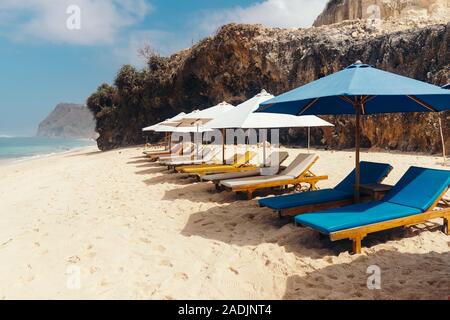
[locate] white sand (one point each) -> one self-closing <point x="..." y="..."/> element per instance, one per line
<point x="137" y="232"/>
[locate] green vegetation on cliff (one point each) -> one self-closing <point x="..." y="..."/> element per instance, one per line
<point x="240" y="60"/>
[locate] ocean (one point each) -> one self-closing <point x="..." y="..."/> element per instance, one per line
<point x="17" y="148"/>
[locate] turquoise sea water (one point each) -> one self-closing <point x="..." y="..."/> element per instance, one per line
<point x="12" y="148"/>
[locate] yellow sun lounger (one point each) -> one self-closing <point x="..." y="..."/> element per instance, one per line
<point x="273" y="158"/>
<point x="296" y="173"/>
<point x="241" y="164"/>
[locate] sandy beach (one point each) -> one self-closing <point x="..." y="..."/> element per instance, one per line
<point x="135" y="231"/>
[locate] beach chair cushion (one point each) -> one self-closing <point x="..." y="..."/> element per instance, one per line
<point x="231" y="175"/>
<point x="305" y="199"/>
<point x="419" y="187"/>
<point x="371" y="172"/>
<point x="414" y="193"/>
<point x="207" y="155"/>
<point x="298" y="165"/>
<point x="254" y="180"/>
<point x="274" y="157"/>
<point x="355" y="215"/>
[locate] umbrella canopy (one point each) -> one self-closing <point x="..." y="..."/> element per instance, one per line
<point x="279" y="120"/>
<point x="360" y="89"/>
<point x="360" y="84"/>
<point x="243" y="116"/>
<point x="236" y="118"/>
<point x="209" y="113"/>
<point x="162" y="125"/>
<point x="195" y="121"/>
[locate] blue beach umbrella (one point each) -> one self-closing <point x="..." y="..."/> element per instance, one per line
<point x="360" y="89"/>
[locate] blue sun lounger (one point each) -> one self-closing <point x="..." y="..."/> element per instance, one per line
<point x="411" y="201"/>
<point x="341" y="195"/>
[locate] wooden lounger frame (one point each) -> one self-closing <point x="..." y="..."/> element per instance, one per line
<point x="359" y="233"/>
<point x="223" y="168"/>
<point x="293" y="211"/>
<point x="318" y="206"/>
<point x="313" y="207"/>
<point x="217" y="181"/>
<point x="305" y="177"/>
<point x="216" y="163"/>
<point x="233" y="168"/>
<point x="173" y="167"/>
<point x="154" y="157"/>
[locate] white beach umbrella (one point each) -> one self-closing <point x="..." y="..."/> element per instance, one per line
<point x="163" y="124"/>
<point x="243" y="116"/>
<point x="209" y="113"/>
<point x="194" y="122"/>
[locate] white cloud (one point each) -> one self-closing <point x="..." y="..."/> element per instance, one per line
<point x="271" y="13"/>
<point x="115" y="23"/>
<point x="101" y="20"/>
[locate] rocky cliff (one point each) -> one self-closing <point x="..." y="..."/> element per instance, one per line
<point x="68" y="120"/>
<point x="239" y="60"/>
<point x="406" y="10"/>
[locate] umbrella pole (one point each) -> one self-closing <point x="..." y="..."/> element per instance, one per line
<point x="357" y="151"/>
<point x="442" y="139"/>
<point x="264" y="147"/>
<point x="309" y="138"/>
<point x="197" y="143"/>
<point x="223" y="146"/>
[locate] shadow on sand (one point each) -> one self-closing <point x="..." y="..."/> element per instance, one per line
<point x="244" y="223"/>
<point x="139" y="161"/>
<point x="402" y="276"/>
<point x="91" y="153"/>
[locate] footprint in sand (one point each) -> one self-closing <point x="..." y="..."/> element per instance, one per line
<point x="181" y="276"/>
<point x="234" y="270"/>
<point x="93" y="269"/>
<point x="166" y="263"/>
<point x="145" y="240"/>
<point x="91" y="254"/>
<point x="74" y="259"/>
<point x="161" y="248"/>
<point x="231" y="225"/>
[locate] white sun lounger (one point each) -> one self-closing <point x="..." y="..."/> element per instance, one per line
<point x="208" y="155"/>
<point x="296" y="173"/>
<point x="273" y="157"/>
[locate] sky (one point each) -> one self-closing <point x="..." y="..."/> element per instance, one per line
<point x="54" y="51"/>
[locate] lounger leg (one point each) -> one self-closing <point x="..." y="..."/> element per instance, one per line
<point x="446" y="226"/>
<point x="313" y="186"/>
<point x="356" y="245"/>
<point x="249" y="194"/>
